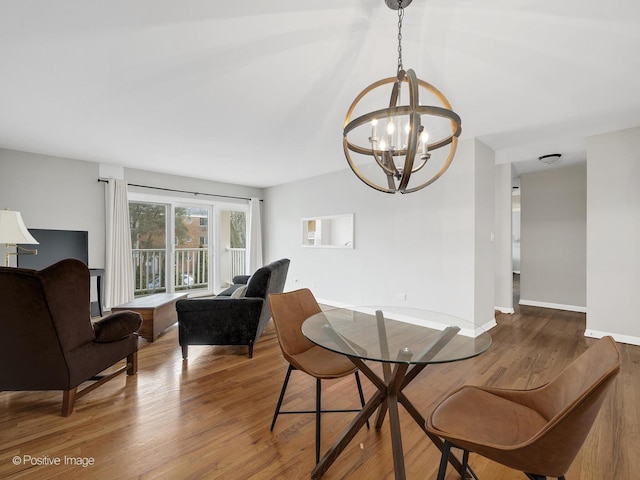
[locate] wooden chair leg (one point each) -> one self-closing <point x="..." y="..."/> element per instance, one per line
<point x="68" y="401"/>
<point x="69" y="397"/>
<point x="132" y="360"/>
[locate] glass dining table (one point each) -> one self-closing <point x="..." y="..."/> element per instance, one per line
<point x="403" y="341"/>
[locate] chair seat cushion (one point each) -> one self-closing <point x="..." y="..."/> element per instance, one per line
<point x="322" y="363"/>
<point x="477" y="416"/>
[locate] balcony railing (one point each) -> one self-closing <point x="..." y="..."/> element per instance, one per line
<point x="237" y="263"/>
<point x="191" y="269"/>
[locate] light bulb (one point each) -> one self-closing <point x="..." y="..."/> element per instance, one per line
<point x="424" y="138"/>
<point x="374" y="130"/>
<point x="390" y="127"/>
<point x="383" y="145"/>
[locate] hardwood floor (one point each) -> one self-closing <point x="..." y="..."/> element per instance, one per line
<point x="209" y="417"/>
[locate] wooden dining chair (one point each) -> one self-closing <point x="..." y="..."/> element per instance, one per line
<point x="289" y="310"/>
<point x="537" y="431"/>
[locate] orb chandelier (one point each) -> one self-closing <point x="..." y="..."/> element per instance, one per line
<point x="403" y="138"/>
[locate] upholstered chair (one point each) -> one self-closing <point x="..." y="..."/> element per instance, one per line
<point x="289" y="311"/>
<point x="537" y="431"/>
<point x="227" y="320"/>
<point x="48" y="341"/>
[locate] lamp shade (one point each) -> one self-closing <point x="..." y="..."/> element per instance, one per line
<point x="13" y="230"/>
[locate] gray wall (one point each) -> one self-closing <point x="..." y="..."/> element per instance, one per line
<point x="613" y="235"/>
<point x="554" y="238"/>
<point x="422" y="244"/>
<point x="55" y="193"/>
<point x="502" y="254"/>
<point x="59" y="193"/>
<point x="190" y="184"/>
<point x="484" y="230"/>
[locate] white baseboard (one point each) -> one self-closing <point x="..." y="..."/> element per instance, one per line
<point x="504" y="309"/>
<point x="616" y="336"/>
<point x="489" y="325"/>
<point x="557" y="306"/>
<point x="482" y="328"/>
<point x="331" y="303"/>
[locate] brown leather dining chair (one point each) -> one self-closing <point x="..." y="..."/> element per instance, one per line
<point x="289" y="310"/>
<point x="537" y="431"/>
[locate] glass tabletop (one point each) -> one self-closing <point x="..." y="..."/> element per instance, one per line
<point x="396" y="334"/>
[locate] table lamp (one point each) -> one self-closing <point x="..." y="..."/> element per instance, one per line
<point x="12" y="232"/>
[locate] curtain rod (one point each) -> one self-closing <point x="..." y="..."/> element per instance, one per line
<point x="105" y="180"/>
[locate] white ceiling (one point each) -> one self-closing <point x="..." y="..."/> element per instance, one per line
<point x="255" y="92"/>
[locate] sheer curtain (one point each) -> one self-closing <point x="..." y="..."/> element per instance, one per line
<point x="255" y="235"/>
<point x="119" y="274"/>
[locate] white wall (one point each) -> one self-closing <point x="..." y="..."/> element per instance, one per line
<point x="502" y="256"/>
<point x="613" y="235"/>
<point x="421" y="244"/>
<point x="554" y="238"/>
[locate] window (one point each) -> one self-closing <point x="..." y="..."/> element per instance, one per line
<point x="232" y="246"/>
<point x="164" y="231"/>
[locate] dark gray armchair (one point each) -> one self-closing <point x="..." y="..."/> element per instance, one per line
<point x="225" y="320"/>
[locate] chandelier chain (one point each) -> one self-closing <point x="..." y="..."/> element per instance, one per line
<point x="400" y="17"/>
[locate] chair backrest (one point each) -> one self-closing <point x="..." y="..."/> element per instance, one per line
<point x="598" y="364"/>
<point x="43" y="315"/>
<point x="571" y="403"/>
<point x="268" y="279"/>
<point x="289" y="311"/>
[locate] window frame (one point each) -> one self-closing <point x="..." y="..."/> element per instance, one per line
<point x="213" y="227"/>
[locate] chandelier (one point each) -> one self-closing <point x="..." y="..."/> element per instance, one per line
<point x="402" y="138"/>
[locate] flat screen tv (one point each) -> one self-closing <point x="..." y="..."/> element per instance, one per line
<point x="55" y="245"/>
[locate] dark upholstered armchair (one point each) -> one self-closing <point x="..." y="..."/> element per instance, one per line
<point x="226" y="320"/>
<point x="48" y="341"/>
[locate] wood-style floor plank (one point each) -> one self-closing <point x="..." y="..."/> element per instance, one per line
<point x="209" y="417"/>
